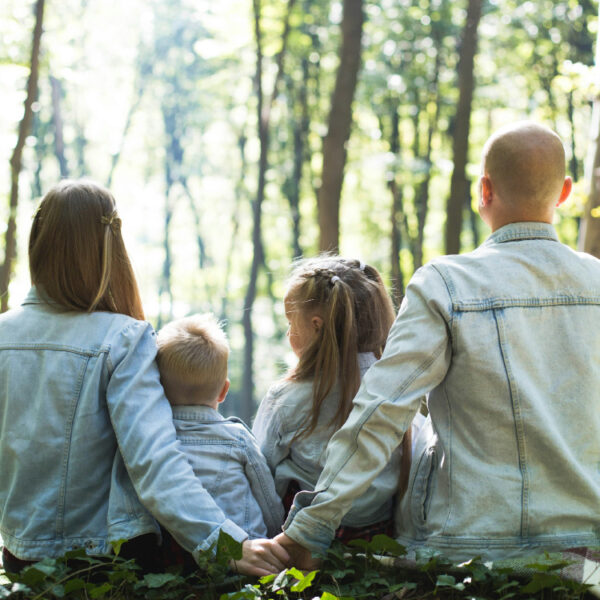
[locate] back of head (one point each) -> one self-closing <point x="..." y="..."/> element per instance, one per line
<point x="526" y="164"/>
<point x="357" y="315"/>
<point x="192" y="359"/>
<point x="77" y="257"/>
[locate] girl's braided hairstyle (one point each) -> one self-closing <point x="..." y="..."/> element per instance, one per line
<point x="357" y="315"/>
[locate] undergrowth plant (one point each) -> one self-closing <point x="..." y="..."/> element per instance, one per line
<point x="376" y="570"/>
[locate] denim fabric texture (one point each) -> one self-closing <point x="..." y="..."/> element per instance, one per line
<point x="85" y="428"/>
<point x="506" y="342"/>
<point x="280" y="416"/>
<point x="227" y="460"/>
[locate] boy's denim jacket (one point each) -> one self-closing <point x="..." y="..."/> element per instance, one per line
<point x="506" y="341"/>
<point x="227" y="460"/>
<point x="84" y="421"/>
<point x="281" y="414"/>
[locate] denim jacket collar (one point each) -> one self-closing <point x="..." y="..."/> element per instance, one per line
<point x="33" y="297"/>
<point x="528" y="230"/>
<point x="36" y="295"/>
<point x="196" y="412"/>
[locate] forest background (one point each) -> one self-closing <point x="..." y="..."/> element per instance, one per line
<point x="240" y="134"/>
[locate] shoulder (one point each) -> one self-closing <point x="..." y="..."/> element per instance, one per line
<point x="235" y="424"/>
<point x="289" y="391"/>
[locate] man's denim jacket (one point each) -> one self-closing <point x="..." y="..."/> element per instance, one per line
<point x="282" y="413"/>
<point x="506" y="341"/>
<point x="84" y="423"/>
<point x="229" y="463"/>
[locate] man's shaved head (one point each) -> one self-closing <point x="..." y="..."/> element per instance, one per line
<point x="526" y="165"/>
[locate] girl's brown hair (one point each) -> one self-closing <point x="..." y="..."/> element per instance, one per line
<point x="76" y="253"/>
<point x="357" y="315"/>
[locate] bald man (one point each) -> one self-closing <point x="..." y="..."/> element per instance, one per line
<point x="505" y="341"/>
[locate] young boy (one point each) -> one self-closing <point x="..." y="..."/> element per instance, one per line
<point x="192" y="359"/>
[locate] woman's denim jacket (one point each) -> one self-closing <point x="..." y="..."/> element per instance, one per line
<point x="229" y="463"/>
<point x="282" y="413"/>
<point x="85" y="428"/>
<point x="506" y="341"/>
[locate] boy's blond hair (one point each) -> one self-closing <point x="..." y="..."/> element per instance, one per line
<point x="192" y="359"/>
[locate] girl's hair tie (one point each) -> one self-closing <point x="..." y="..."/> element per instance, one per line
<point x="362" y="266"/>
<point x="112" y="221"/>
<point x="334" y="279"/>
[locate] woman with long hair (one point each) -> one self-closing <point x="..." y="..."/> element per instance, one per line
<point x="85" y="428"/>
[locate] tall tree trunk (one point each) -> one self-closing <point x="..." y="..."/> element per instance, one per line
<point x="395" y="188"/>
<point x="264" y="119"/>
<point x="240" y="192"/>
<point x="422" y="196"/>
<point x="59" y="140"/>
<point x="340" y="120"/>
<point x="589" y="234"/>
<point x="10" y="239"/>
<point x="460" y="143"/>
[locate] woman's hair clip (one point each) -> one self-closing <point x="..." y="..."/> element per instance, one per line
<point x="334" y="279"/>
<point x="362" y="266"/>
<point x="112" y="221"/>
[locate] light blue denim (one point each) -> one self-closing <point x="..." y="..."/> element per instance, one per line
<point x="227" y="460"/>
<point x="85" y="427"/>
<point x="282" y="413"/>
<point x="506" y="342"/>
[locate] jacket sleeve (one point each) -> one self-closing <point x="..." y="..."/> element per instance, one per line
<point x="416" y="359"/>
<point x="267" y="429"/>
<point x="142" y="421"/>
<point x="263" y="487"/>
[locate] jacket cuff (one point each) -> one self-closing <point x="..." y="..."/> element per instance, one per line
<point x="309" y="532"/>
<point x="210" y="543"/>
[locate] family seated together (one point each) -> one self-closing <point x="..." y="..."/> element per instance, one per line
<point x="109" y="431"/>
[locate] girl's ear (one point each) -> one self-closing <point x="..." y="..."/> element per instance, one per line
<point x="316" y="323"/>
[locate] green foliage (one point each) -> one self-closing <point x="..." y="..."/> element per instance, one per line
<point x="367" y="570"/>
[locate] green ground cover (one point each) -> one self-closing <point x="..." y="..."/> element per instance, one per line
<point x="378" y="570"/>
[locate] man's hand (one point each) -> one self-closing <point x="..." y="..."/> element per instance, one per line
<point x="261" y="557"/>
<point x="300" y="557"/>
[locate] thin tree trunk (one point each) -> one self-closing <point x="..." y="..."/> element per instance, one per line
<point x="423" y="191"/>
<point x="10" y="251"/>
<point x="132" y="109"/>
<point x="340" y="121"/>
<point x="299" y="127"/>
<point x="59" y="141"/>
<point x="460" y="144"/>
<point x="240" y="191"/>
<point x="570" y="114"/>
<point x="264" y="117"/>
<point x="589" y="234"/>
<point x="397" y="278"/>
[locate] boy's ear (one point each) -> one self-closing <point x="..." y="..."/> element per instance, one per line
<point x="566" y="190"/>
<point x="223" y="391"/>
<point x="316" y="323"/>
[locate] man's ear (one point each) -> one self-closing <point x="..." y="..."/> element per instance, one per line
<point x="566" y="190"/>
<point x="486" y="190"/>
<point x="316" y="323"/>
<point x="223" y="391"/>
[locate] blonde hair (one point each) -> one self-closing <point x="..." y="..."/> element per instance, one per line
<point x="77" y="257"/>
<point x="192" y="359"/>
<point x="357" y="315"/>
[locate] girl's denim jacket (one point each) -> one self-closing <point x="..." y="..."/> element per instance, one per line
<point x="229" y="463"/>
<point x="506" y="341"/>
<point x="280" y="416"/>
<point x="84" y="428"/>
